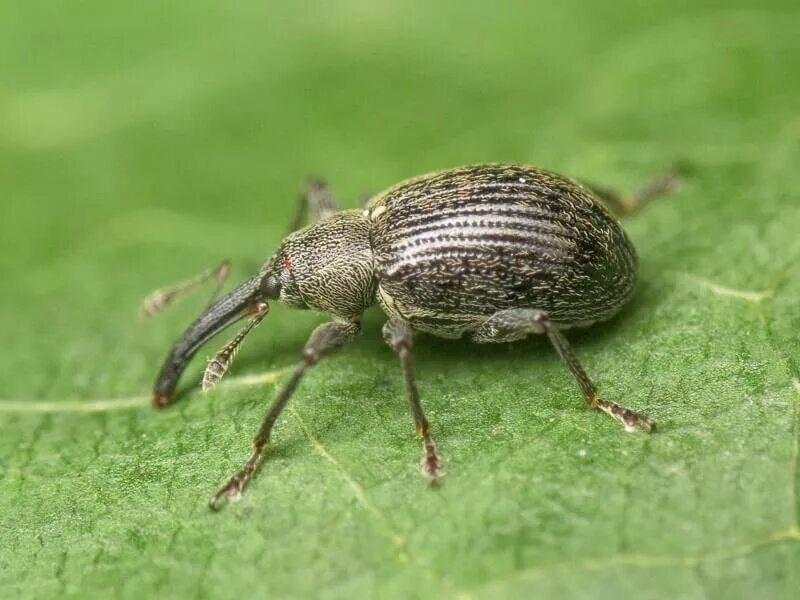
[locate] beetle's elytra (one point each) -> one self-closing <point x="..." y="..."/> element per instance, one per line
<point x="492" y="253"/>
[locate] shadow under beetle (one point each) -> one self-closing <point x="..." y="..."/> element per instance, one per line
<point x="490" y="252"/>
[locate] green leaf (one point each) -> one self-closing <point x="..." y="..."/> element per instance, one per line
<point x="140" y="146"/>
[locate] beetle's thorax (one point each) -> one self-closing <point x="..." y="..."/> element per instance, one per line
<point x="328" y="266"/>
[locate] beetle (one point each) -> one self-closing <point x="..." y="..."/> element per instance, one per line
<point x="490" y="252"/>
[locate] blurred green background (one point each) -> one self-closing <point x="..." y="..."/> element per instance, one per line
<point x="141" y="143"/>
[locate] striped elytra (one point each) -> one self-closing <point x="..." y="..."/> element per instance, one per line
<point x="452" y="248"/>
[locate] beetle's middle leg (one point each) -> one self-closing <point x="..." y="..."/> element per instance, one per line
<point x="400" y="339"/>
<point x="518" y="323"/>
<point x="325" y="340"/>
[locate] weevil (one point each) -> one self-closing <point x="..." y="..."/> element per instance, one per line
<point x="492" y="253"/>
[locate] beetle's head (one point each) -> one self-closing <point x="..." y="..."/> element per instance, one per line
<point x="326" y="266"/>
<point x="278" y="278"/>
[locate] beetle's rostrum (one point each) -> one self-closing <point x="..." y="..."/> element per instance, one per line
<point x="491" y="253"/>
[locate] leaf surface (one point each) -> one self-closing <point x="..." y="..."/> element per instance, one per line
<point x="138" y="147"/>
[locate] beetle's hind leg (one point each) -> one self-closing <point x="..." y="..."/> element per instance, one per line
<point x="625" y="204"/>
<point x="161" y="298"/>
<point x="517" y="323"/>
<point x="399" y="337"/>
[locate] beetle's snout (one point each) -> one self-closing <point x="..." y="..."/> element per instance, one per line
<point x="246" y="300"/>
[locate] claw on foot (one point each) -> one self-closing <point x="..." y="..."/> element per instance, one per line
<point x="432" y="469"/>
<point x="231" y="491"/>
<point x="638" y="421"/>
<point x="632" y="421"/>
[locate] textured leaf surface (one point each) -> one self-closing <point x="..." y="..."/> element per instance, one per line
<point x="142" y="145"/>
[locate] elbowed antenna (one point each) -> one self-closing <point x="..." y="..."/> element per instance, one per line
<point x="219" y="365"/>
<point x="220" y="315"/>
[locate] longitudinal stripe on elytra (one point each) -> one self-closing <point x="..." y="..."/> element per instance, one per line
<point x="486" y="245"/>
<point x="519" y="204"/>
<point x="513" y="221"/>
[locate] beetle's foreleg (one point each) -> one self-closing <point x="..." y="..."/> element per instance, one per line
<point x="315" y="203"/>
<point x="399" y="337"/>
<point x="625" y="204"/>
<point x="364" y="198"/>
<point x="163" y="297"/>
<point x="517" y="323"/>
<point x="326" y="339"/>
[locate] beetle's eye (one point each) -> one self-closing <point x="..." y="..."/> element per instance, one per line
<point x="271" y="287"/>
